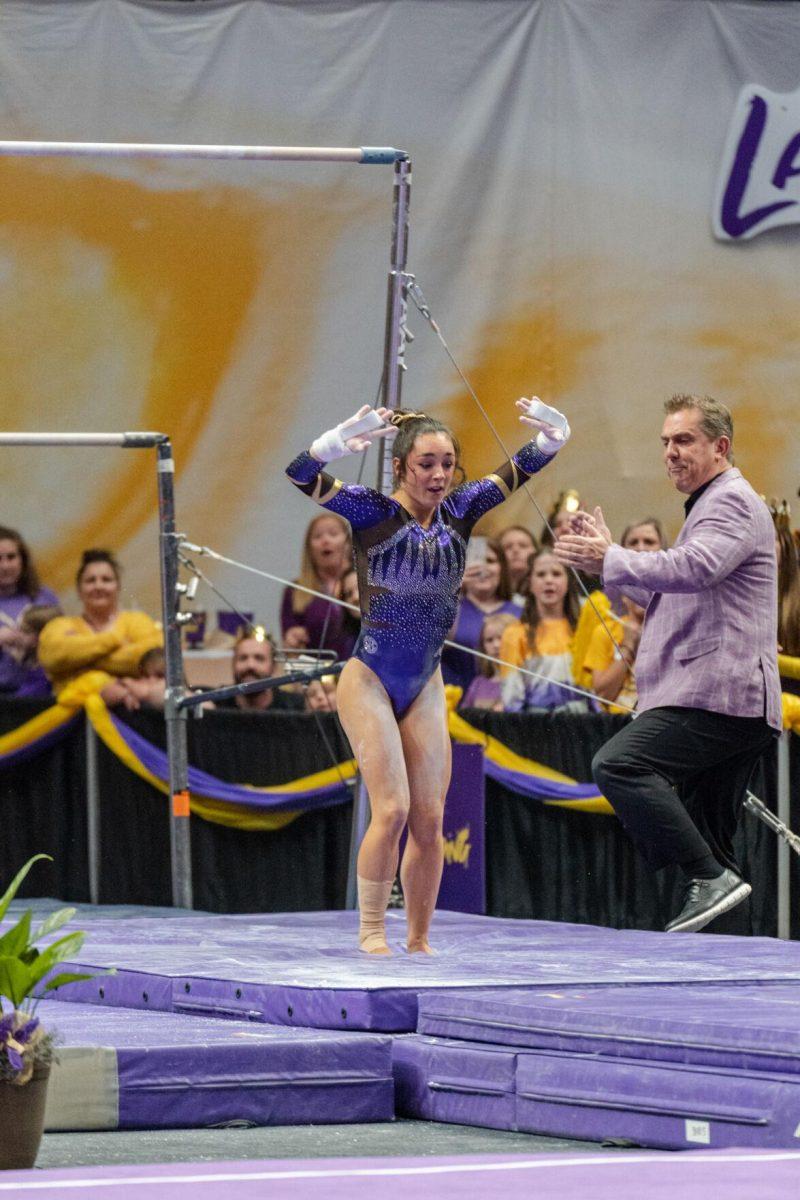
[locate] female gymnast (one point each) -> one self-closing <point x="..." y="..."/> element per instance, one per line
<point x="410" y="551"/>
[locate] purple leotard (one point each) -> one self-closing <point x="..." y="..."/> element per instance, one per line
<point x="409" y="578"/>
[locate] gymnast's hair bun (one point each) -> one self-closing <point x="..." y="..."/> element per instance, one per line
<point x="406" y="414"/>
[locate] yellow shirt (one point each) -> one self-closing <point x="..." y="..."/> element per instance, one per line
<point x="600" y="655"/>
<point x="68" y="646"/>
<point x="553" y="636"/>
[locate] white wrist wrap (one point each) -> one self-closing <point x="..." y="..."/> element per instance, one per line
<point x="330" y="445"/>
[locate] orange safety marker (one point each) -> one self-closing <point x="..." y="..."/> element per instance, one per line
<point x="180" y="804"/>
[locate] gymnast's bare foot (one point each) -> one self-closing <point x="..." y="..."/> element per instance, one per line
<point x="419" y="945"/>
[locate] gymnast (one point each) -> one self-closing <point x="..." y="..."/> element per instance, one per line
<point x="410" y="551"/>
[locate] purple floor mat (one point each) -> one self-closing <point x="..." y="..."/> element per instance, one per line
<point x="172" y="1071"/>
<point x="304" y="969"/>
<point x="747" y="1026"/>
<point x="662" y="1106"/>
<point x="615" y="1176"/>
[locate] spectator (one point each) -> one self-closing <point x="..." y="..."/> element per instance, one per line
<point x="593" y="652"/>
<point x="541" y="641"/>
<point x="254" y="658"/>
<point x="518" y="544"/>
<point x="321" y="695"/>
<point x="486" y="590"/>
<point x="19" y="588"/>
<point x="104" y="638"/>
<point x="486" y="691"/>
<point x="31" y="682"/>
<point x="309" y="622"/>
<point x="611" y="675"/>
<point x="560" y="515"/>
<point x="788" y="585"/>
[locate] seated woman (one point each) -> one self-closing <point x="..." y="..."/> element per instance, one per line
<point x="485" y="590"/>
<point x="309" y="622"/>
<point x="19" y="589"/>
<point x="788" y="601"/>
<point x="104" y="638"/>
<point x="486" y="689"/>
<point x="542" y="641"/>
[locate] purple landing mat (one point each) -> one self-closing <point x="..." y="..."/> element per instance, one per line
<point x="702" y="1175"/>
<point x="304" y="968"/>
<point x="753" y="1027"/>
<point x="175" y="1071"/>
<point x="669" y="1106"/>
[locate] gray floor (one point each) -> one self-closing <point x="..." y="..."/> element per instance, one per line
<point x="412" y="1138"/>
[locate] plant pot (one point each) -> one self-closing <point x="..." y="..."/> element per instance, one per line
<point x="22" y="1120"/>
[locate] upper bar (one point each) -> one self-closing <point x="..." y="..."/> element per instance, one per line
<point x="129" y="441"/>
<point x="357" y="154"/>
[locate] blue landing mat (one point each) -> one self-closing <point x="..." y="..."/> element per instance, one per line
<point x="304" y="968"/>
<point x="752" y="1027"/>
<point x="127" y="1069"/>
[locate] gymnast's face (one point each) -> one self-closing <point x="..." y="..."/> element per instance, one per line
<point x="429" y="468"/>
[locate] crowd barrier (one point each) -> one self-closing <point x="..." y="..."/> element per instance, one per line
<point x="553" y="852"/>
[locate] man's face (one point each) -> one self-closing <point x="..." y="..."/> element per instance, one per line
<point x="691" y="458"/>
<point x="252" y="660"/>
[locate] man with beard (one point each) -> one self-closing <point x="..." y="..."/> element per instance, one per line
<point x="254" y="658"/>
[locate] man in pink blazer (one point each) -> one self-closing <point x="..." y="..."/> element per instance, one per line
<point x="706" y="670"/>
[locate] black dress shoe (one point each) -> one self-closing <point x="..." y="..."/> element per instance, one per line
<point x="707" y="899"/>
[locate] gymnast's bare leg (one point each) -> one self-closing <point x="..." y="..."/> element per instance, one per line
<point x="428" y="758"/>
<point x="371" y="727"/>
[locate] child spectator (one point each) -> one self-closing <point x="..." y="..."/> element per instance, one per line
<point x="486" y="690"/>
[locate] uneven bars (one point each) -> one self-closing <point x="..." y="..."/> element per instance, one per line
<point x="128" y="441"/>
<point x="358" y="154"/>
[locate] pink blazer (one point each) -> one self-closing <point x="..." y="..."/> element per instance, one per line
<point x="710" y="633"/>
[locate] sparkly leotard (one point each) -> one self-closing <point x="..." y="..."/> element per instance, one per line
<point x="409" y="578"/>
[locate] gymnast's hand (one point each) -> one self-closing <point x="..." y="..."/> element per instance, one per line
<point x="352" y="436"/>
<point x="553" y="426"/>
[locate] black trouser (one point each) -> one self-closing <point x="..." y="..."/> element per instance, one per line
<point x="676" y="778"/>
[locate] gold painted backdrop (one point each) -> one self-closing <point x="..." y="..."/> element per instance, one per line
<point x="566" y="155"/>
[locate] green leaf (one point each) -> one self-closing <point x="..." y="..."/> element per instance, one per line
<point x="15" y="980"/>
<point x="54" y="922"/>
<point x="17" y="939"/>
<point x="57" y="952"/>
<point x="17" y="880"/>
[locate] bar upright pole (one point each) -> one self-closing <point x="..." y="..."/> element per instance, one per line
<point x="395" y="340"/>
<point x="180" y="844"/>
<point x="784" y="863"/>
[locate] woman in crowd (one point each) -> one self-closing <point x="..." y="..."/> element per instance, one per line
<point x="788" y="587"/>
<point x="19" y="588"/>
<point x="518" y="544"/>
<point x="104" y="639"/>
<point x="542" y="641"/>
<point x="410" y="553"/>
<point x="485" y="590"/>
<point x="486" y="689"/>
<point x="595" y="663"/>
<point x="309" y="622"/>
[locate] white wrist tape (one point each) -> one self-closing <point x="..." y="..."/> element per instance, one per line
<point x="549" y="445"/>
<point x="333" y="443"/>
<point x="543" y="412"/>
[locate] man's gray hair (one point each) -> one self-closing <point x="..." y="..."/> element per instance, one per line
<point x="715" y="418"/>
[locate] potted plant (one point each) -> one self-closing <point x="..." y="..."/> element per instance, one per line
<point x="26" y="1048"/>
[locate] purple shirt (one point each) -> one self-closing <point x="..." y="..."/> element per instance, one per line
<point x="458" y="666"/>
<point x="323" y="622"/>
<point x="14" y="676"/>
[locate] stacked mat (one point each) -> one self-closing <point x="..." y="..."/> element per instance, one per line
<point x="664" y="1065"/>
<point x="122" y="1068"/>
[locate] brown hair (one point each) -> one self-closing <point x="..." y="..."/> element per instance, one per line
<point x="504" y="582"/>
<point x="36" y="616"/>
<point x="503" y="619"/>
<point x="530" y="614"/>
<point x="654" y="521"/>
<point x="308" y="576"/>
<point x="410" y="426"/>
<point x="28" y="583"/>
<point x="97" y="556"/>
<point x="788" y="590"/>
<point x="715" y="418"/>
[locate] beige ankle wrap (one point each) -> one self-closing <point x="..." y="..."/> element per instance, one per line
<point x="373" y="898"/>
